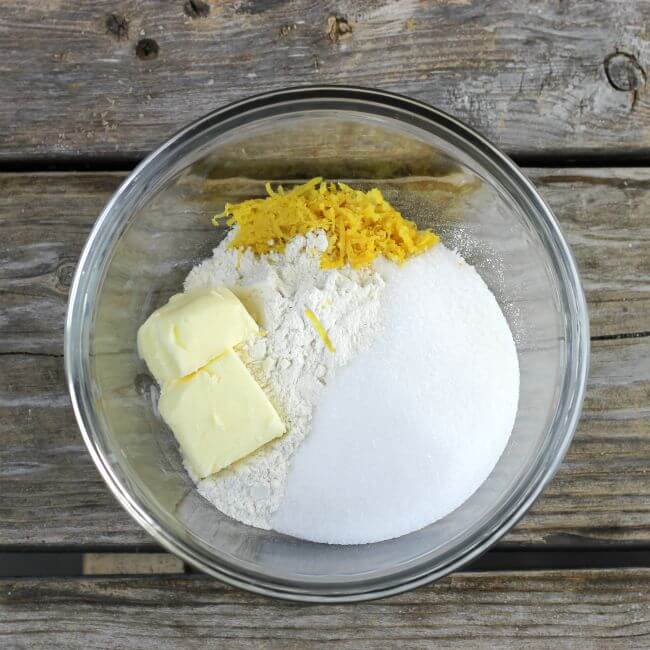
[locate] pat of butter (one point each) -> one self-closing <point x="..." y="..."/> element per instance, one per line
<point x="191" y="329"/>
<point x="257" y="294"/>
<point x="219" y="414"/>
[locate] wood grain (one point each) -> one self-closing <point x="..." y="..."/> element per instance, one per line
<point x="547" y="609"/>
<point x="45" y="219"/>
<point x="604" y="216"/>
<point x="44" y="222"/>
<point x="54" y="496"/>
<point x="601" y="493"/>
<point x="111" y="81"/>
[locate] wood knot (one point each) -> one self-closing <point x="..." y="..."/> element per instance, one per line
<point x="624" y="72"/>
<point x="64" y="275"/>
<point x="146" y="49"/>
<point x="117" y="26"/>
<point x="196" y="9"/>
<point x="338" y="28"/>
<point x="285" y="30"/>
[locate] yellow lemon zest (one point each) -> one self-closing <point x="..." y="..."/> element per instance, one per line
<point x="318" y="326"/>
<point x="360" y="226"/>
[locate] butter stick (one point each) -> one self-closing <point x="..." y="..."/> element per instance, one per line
<point x="219" y="414"/>
<point x="190" y="330"/>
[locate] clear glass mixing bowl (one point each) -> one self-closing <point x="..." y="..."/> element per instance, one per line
<point x="157" y="226"/>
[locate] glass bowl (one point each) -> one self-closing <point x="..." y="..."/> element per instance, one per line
<point x="157" y="226"/>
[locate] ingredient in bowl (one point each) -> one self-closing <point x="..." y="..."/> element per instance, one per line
<point x="360" y="226"/>
<point x="410" y="428"/>
<point x="190" y="330"/>
<point x="318" y="326"/>
<point x="219" y="414"/>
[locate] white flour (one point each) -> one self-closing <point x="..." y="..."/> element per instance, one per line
<point x="290" y="362"/>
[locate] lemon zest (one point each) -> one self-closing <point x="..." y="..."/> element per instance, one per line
<point x="320" y="330"/>
<point x="360" y="226"/>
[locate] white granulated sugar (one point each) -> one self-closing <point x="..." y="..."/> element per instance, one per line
<point x="411" y="427"/>
<point x="290" y="362"/>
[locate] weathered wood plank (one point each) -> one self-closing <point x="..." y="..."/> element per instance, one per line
<point x="546" y="609"/>
<point x="113" y="80"/>
<point x="45" y="218"/>
<point x="52" y="493"/>
<point x="54" y="496"/>
<point x="601" y="494"/>
<point x="605" y="216"/>
<point x="44" y="222"/>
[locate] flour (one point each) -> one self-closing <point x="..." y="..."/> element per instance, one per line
<point x="290" y="362"/>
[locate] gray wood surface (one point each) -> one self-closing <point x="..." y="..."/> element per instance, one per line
<point x="52" y="494"/>
<point x="606" y="609"/>
<point x="98" y="84"/>
<point x="111" y="80"/>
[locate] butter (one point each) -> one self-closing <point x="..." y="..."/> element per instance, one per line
<point x="190" y="330"/>
<point x="255" y="295"/>
<point x="250" y="298"/>
<point x="219" y="414"/>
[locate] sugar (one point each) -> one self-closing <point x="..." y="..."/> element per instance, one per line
<point x="410" y="428"/>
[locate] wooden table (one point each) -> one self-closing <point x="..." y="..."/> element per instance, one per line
<point x="86" y="89"/>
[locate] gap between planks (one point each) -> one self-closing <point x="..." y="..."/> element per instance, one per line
<point x="74" y="564"/>
<point x="125" y="164"/>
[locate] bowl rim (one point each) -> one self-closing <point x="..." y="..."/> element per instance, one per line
<point x="256" y="583"/>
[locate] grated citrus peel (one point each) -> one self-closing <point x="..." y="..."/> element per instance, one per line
<point x="320" y="330"/>
<point x="360" y="226"/>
